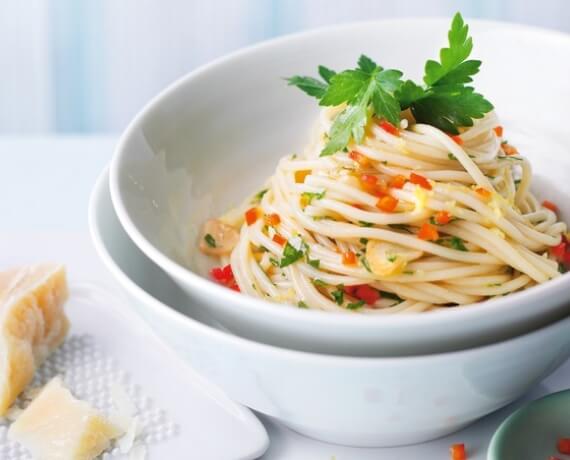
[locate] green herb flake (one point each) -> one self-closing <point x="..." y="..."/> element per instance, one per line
<point x="355" y="305"/>
<point x="319" y="283"/>
<point x="390" y="295"/>
<point x="457" y="243"/>
<point x="210" y="240"/>
<point x="274" y="262"/>
<point x="315" y="263"/>
<point x="365" y="264"/>
<point x="310" y="196"/>
<point x="258" y="196"/>
<point x="338" y="294"/>
<point x="451" y="156"/>
<point x="365" y="224"/>
<point x="302" y="304"/>
<point x="392" y="258"/>
<point x="290" y="255"/>
<point x="363" y="241"/>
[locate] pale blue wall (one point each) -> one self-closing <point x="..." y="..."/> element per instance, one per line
<point x="89" y="65"/>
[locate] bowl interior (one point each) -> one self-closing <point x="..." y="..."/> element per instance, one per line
<point x="213" y="137"/>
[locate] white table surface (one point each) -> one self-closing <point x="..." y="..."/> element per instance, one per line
<point x="45" y="185"/>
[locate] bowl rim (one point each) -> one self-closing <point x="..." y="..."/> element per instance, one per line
<point x="316" y="317"/>
<point x="504" y="431"/>
<point x="171" y="314"/>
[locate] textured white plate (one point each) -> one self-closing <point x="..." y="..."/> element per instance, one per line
<point x="181" y="415"/>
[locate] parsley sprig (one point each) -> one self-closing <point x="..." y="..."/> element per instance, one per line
<point x="444" y="100"/>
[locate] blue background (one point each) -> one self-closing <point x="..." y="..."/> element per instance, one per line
<point x="87" y="66"/>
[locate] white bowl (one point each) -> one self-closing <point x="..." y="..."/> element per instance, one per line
<point x="346" y="400"/>
<point x="214" y="136"/>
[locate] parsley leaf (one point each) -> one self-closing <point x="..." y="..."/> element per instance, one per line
<point x="369" y="90"/>
<point x="319" y="283"/>
<point x="316" y="263"/>
<point x="365" y="224"/>
<point x="309" y="85"/>
<point x="210" y="240"/>
<point x="453" y="67"/>
<point x="326" y="73"/>
<point x="290" y="255"/>
<point x="302" y="304"/>
<point x="447" y="107"/>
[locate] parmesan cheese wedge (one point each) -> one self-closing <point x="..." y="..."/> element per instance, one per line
<point x="56" y="426"/>
<point x="32" y="324"/>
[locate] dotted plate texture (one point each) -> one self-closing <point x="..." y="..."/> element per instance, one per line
<point x="91" y="375"/>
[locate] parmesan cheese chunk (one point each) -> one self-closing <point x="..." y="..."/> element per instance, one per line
<point x="32" y="324"/>
<point x="56" y="426"/>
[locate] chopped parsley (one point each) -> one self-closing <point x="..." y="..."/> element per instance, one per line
<point x="310" y="196"/>
<point x="316" y="263"/>
<point x="364" y="241"/>
<point x="274" y="262"/>
<point x="392" y="258"/>
<point x="338" y="294"/>
<point x="302" y="304"/>
<point x="457" y="243"/>
<point x="365" y="224"/>
<point x="258" y="196"/>
<point x="453" y="242"/>
<point x="365" y="264"/>
<point x="444" y="100"/>
<point x="319" y="283"/>
<point x="210" y="240"/>
<point x="355" y="305"/>
<point x="451" y="156"/>
<point x="290" y="255"/>
<point x="390" y="295"/>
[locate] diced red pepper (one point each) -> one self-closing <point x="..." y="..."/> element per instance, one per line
<point x="550" y="205"/>
<point x="457" y="139"/>
<point x="300" y="175"/>
<point x="420" y="180"/>
<point x="272" y="219"/>
<point x="350" y="290"/>
<point x="368" y="179"/>
<point x="398" y="181"/>
<point x="387" y="203"/>
<point x="389" y="127"/>
<point x="428" y="232"/>
<point x="559" y="251"/>
<point x="280" y="240"/>
<point x="359" y="158"/>
<point x="458" y="452"/>
<point x="367" y="293"/>
<point x="483" y="193"/>
<point x="224" y="276"/>
<point x="498" y="131"/>
<point x="509" y="149"/>
<point x="363" y="292"/>
<point x="348" y="258"/>
<point x="442" y="217"/>
<point x="251" y="215"/>
<point x="563" y="446"/>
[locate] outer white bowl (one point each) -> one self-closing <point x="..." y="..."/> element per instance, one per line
<point x="346" y="400"/>
<point x="213" y="137"/>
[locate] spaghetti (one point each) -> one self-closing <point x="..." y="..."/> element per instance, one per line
<point x="410" y="219"/>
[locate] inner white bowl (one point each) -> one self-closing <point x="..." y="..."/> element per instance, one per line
<point x="345" y="400"/>
<point x="214" y="136"/>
